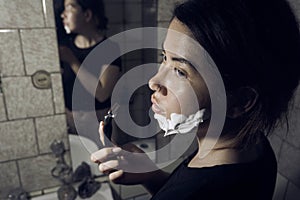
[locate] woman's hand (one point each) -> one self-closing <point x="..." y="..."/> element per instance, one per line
<point x="67" y="56"/>
<point x="125" y="166"/>
<point x="128" y="165"/>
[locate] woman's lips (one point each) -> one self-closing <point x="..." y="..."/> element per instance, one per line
<point x="155" y="107"/>
<point x="67" y="29"/>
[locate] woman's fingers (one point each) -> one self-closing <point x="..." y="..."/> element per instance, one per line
<point x="108" y="166"/>
<point x="116" y="175"/>
<point x="103" y="154"/>
<point x="104" y="139"/>
<point x="101" y="132"/>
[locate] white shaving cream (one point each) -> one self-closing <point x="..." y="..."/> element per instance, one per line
<point x="179" y="123"/>
<point x="67" y="29"/>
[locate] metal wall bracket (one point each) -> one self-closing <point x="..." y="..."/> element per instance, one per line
<point x="41" y="79"/>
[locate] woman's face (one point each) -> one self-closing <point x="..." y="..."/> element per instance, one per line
<point x="177" y="84"/>
<point x="73" y="16"/>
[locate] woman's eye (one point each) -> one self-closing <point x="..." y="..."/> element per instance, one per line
<point x="163" y="57"/>
<point x="69" y="7"/>
<point x="180" y="73"/>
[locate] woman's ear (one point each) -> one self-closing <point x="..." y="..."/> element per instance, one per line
<point x="241" y="101"/>
<point x="88" y="15"/>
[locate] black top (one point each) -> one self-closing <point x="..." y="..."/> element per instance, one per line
<point x="69" y="77"/>
<point x="254" y="180"/>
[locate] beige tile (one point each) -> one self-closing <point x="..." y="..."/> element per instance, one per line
<point x="11" y="61"/>
<point x="3" y="116"/>
<point x="48" y="13"/>
<point x="36" y="172"/>
<point x="50" y="129"/>
<point x="40" y="50"/>
<point x="17" y="140"/>
<point x="24" y="100"/>
<point x="58" y="96"/>
<point x="9" y="178"/>
<point x="21" y="14"/>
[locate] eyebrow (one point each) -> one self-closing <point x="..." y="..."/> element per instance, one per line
<point x="178" y="59"/>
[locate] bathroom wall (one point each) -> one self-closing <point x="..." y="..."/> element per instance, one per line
<point x="30" y="118"/>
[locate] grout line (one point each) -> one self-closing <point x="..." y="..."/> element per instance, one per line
<point x="18" y="172"/>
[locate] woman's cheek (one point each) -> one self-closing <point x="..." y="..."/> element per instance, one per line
<point x="187" y="99"/>
<point x="181" y="99"/>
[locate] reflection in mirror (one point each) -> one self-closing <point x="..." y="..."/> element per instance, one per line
<point x="83" y="24"/>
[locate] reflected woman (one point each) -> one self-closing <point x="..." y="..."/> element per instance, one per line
<point x="86" y="23"/>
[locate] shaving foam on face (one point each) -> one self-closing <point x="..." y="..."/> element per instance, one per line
<point x="179" y="123"/>
<point x="67" y="29"/>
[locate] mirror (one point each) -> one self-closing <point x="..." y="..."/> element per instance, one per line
<point x="29" y="111"/>
<point x="80" y="28"/>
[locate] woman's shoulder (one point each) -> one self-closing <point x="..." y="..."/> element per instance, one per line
<point x="226" y="179"/>
<point x="255" y="179"/>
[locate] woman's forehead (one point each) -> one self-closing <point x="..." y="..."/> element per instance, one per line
<point x="178" y="26"/>
<point x="179" y="42"/>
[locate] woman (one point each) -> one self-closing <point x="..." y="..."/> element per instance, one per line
<point x="86" y="23"/>
<point x="255" y="45"/>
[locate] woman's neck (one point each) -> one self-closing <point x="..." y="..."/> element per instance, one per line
<point x="88" y="38"/>
<point x="221" y="153"/>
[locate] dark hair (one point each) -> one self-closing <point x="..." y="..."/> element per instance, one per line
<point x="98" y="10"/>
<point x="254" y="43"/>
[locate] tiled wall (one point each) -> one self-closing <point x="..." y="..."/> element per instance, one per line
<point x="30" y="118"/>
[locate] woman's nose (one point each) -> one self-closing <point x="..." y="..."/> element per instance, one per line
<point x="156" y="85"/>
<point x="154" y="82"/>
<point x="62" y="15"/>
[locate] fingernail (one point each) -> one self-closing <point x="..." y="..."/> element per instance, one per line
<point x="93" y="158"/>
<point x="102" y="167"/>
<point x="116" y="149"/>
